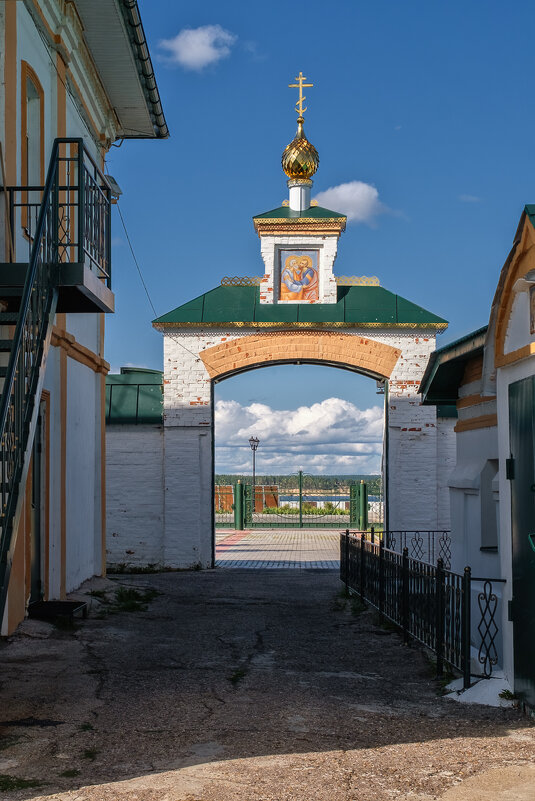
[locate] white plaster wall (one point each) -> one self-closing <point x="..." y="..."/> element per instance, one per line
<point x="134" y="495"/>
<point x="82" y="490"/>
<point x="518" y="327"/>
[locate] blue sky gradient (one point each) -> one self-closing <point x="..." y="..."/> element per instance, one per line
<point x="431" y="103"/>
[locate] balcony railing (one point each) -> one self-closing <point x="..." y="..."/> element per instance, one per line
<point x="81" y="205"/>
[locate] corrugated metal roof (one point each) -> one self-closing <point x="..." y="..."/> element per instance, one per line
<point x="357" y="305"/>
<point x="114" y="35"/>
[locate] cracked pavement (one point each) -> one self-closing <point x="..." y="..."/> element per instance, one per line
<point x="243" y="685"/>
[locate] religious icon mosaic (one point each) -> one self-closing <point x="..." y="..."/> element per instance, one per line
<point x="299" y="275"/>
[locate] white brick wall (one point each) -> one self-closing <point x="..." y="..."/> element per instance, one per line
<point x="135" y="495"/>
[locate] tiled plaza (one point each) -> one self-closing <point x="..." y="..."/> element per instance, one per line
<point x="298" y="549"/>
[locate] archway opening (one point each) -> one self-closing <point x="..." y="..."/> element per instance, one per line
<point x="294" y="443"/>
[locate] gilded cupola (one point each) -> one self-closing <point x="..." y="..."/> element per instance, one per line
<point x="300" y="159"/>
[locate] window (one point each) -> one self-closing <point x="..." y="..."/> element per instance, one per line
<point x="32" y="144"/>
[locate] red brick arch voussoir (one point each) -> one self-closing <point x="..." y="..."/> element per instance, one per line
<point x="344" y="350"/>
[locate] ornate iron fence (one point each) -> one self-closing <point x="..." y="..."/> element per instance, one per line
<point x="427" y="546"/>
<point x="428" y="602"/>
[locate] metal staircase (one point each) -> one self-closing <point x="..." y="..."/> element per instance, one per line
<point x="67" y="226"/>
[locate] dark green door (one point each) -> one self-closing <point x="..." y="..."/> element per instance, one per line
<point x="522" y="433"/>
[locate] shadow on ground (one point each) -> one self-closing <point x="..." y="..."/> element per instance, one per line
<point x="270" y="668"/>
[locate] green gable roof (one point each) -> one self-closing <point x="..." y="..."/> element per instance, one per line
<point x="445" y="369"/>
<point x="356" y="306"/>
<point x="286" y="213"/>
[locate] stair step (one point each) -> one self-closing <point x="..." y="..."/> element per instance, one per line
<point x="6" y="345"/>
<point x="8" y="317"/>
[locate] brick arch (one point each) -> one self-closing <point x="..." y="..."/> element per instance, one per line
<point x="329" y="347"/>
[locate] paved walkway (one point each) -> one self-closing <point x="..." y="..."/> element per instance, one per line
<point x="242" y="685"/>
<point x="299" y="549"/>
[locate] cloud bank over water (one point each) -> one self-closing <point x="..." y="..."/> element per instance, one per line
<point x="333" y="436"/>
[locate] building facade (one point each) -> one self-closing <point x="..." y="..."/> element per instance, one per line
<point x="490" y="375"/>
<point x="75" y="76"/>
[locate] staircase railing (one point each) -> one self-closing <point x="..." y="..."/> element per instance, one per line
<point x="51" y="244"/>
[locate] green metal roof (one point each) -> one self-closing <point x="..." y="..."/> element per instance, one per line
<point x="134" y="396"/>
<point x="356" y="306"/>
<point x="286" y="213"/>
<point x="445" y="369"/>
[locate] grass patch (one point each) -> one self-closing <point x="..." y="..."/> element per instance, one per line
<point x="90" y="753"/>
<point x="86" y="727"/>
<point x="128" y="599"/>
<point x="100" y="594"/>
<point x="13" y="783"/>
<point x="237" y="676"/>
<point x="507" y="695"/>
<point x="70" y="773"/>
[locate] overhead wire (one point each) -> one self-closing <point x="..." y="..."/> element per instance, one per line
<point x="136" y="262"/>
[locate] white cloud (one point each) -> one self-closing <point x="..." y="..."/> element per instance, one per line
<point x="359" y="201"/>
<point x="333" y="436"/>
<point x="196" y="48"/>
<point x="469" y="199"/>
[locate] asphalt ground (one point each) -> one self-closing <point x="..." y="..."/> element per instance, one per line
<point x="242" y="685"/>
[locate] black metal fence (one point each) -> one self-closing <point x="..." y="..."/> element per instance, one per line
<point x="428" y="602"/>
<point x="427" y="546"/>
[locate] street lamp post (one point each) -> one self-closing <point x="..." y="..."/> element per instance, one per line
<point x="254" y="442"/>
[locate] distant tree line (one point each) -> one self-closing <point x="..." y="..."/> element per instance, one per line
<point x="335" y="483"/>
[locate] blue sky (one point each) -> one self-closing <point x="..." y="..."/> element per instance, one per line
<point x="428" y="105"/>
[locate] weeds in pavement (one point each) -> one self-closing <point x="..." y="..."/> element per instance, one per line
<point x="90" y="753"/>
<point x="237" y="676"/>
<point x="338" y="605"/>
<point x="86" y="727"/>
<point x="124" y="567"/>
<point x="357" y="606"/>
<point x="507" y="695"/>
<point x="13" y="783"/>
<point x="70" y="773"/>
<point x="128" y="599"/>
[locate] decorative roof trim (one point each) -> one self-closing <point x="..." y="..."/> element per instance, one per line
<point x="289" y="325"/>
<point x="299" y="225"/>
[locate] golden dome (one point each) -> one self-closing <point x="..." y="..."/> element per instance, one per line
<point x="300" y="159"/>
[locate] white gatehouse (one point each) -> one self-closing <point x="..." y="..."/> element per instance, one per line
<point x="298" y="312"/>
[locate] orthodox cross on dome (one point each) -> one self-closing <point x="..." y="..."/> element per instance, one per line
<point x="299" y="105"/>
